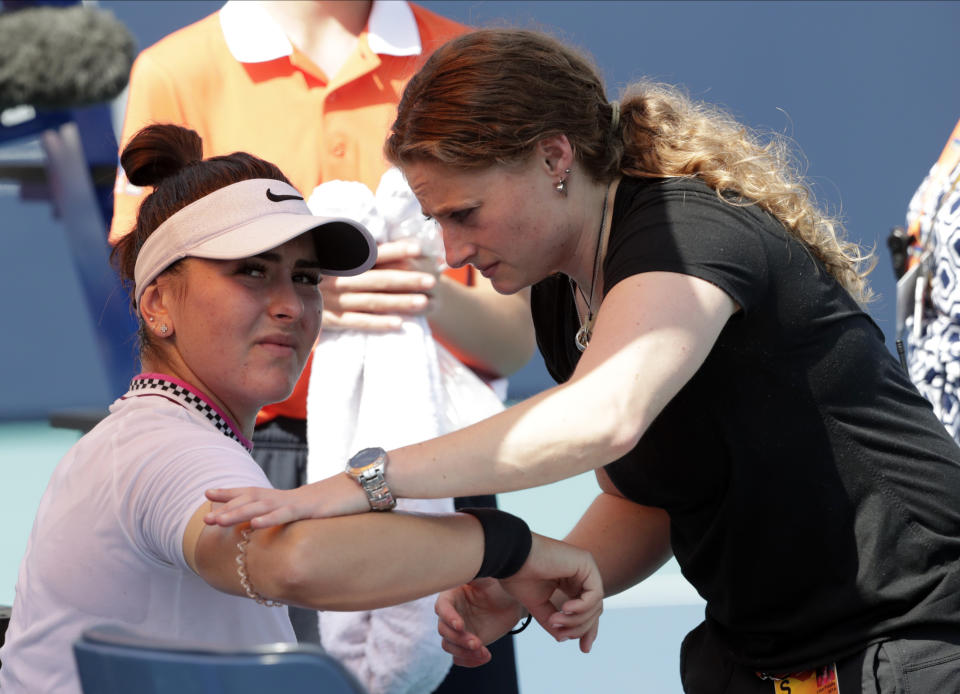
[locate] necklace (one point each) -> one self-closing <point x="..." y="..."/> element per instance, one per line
<point x="582" y="338"/>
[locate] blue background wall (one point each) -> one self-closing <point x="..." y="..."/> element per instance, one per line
<point x="868" y="90"/>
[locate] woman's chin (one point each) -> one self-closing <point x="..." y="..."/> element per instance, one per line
<point x="275" y="391"/>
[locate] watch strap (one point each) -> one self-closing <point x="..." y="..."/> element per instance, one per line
<point x="378" y="493"/>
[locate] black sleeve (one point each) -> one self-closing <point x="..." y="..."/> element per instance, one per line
<point x="683" y="227"/>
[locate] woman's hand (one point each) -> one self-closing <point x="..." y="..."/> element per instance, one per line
<point x="399" y="286"/>
<point x="473" y="615"/>
<point x="263" y="507"/>
<point x="480" y="612"/>
<point x="554" y="566"/>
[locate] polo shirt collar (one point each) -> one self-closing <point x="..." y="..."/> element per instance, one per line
<point x="254" y="37"/>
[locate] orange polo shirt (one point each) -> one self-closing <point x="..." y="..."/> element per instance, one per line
<point x="283" y="108"/>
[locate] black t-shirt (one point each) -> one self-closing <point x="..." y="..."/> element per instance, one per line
<point x="814" y="498"/>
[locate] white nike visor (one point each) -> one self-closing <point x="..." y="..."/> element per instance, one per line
<point x="248" y="218"/>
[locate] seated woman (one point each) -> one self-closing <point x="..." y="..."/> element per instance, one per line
<point x="225" y="263"/>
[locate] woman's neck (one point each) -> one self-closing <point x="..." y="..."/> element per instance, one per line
<point x="596" y="201"/>
<point x="326" y="32"/>
<point x="242" y="418"/>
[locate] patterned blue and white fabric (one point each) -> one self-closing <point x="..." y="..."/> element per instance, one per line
<point x="934" y="346"/>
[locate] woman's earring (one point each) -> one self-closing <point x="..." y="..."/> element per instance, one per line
<point x="164" y="329"/>
<point x="562" y="183"/>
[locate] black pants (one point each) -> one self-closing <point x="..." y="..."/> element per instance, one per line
<point x="280" y="448"/>
<point x="923" y="662"/>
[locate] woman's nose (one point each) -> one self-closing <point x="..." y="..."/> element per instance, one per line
<point x="457" y="251"/>
<point x="285" y="301"/>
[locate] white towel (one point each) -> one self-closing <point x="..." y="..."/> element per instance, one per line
<point x="388" y="390"/>
<point x="385" y="389"/>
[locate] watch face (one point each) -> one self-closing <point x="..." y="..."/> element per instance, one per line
<point x="366" y="457"/>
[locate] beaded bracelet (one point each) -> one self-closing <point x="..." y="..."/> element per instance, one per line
<point x="245" y="577"/>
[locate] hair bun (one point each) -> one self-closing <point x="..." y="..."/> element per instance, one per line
<point x="158" y="152"/>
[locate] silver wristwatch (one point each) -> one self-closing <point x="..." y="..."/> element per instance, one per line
<point x="367" y="468"/>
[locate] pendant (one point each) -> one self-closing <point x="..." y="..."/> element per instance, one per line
<point x="582" y="338"/>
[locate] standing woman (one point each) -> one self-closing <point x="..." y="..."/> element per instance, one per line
<point x="703" y="319"/>
<point x="224" y="265"/>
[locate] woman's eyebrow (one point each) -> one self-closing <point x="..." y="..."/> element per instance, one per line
<point x="275" y="258"/>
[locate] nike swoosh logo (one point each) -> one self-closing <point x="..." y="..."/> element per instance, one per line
<point x="273" y="197"/>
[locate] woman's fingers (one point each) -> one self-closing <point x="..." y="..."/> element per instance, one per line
<point x="394" y="280"/>
<point x="465" y="647"/>
<point x="586" y="641"/>
<point x="394" y="251"/>
<point x="226" y="495"/>
<point x="466" y="658"/>
<point x="263" y="508"/>
<point x="564" y="626"/>
<point x="447" y="613"/>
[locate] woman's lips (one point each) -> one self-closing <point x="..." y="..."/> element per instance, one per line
<point x="488" y="270"/>
<point x="280" y="344"/>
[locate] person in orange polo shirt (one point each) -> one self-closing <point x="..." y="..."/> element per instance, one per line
<point x="313" y="86"/>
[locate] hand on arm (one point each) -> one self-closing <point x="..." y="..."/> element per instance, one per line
<point x="628" y="541"/>
<point x="478" y="613"/>
<point x="326" y="564"/>
<point x="264" y="506"/>
<point x="474" y="615"/>
<point x="357" y="562"/>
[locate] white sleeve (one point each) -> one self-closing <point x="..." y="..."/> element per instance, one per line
<point x="164" y="488"/>
<point x="393" y="650"/>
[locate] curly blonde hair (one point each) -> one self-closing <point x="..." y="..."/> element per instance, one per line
<point x="489" y="96"/>
<point x="667" y="134"/>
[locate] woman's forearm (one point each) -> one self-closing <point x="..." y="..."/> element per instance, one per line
<point x="491" y="332"/>
<point x="629" y="542"/>
<point x="347" y="563"/>
<point x="366" y="562"/>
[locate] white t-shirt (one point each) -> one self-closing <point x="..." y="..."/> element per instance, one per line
<point x="107" y="545"/>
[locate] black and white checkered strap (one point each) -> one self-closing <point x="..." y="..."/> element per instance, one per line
<point x="151" y="385"/>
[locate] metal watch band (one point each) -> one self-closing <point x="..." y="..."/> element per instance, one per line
<point x="367" y="468"/>
<point x="378" y="493"/>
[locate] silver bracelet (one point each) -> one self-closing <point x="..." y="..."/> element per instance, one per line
<point x="245" y="577"/>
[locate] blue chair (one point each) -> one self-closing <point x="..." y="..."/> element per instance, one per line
<point x="114" y="660"/>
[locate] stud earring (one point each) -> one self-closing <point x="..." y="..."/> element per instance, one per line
<point x="164" y="329"/>
<point x="562" y="183"/>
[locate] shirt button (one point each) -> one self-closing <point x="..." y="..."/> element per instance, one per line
<point x="339" y="149"/>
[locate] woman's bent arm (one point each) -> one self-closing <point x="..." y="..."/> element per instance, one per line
<point x="373" y="560"/>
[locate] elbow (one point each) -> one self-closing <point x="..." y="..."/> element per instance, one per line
<point x="285" y="573"/>
<point x="620" y="440"/>
<point x="621" y="431"/>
